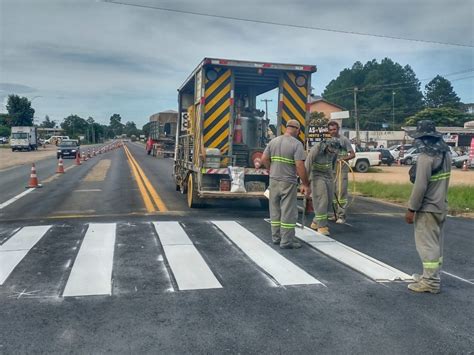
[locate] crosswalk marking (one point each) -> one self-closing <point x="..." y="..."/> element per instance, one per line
<point x="188" y="267"/>
<point x="273" y="263"/>
<point x="370" y="267"/>
<point x="16" y="248"/>
<point x="91" y="273"/>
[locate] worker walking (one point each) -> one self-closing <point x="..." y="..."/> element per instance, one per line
<point x="427" y="207"/>
<point x="346" y="153"/>
<point x="319" y="167"/>
<point x="285" y="156"/>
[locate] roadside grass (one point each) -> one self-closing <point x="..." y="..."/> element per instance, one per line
<point x="460" y="197"/>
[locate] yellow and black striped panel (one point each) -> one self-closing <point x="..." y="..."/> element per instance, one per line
<point x="217" y="111"/>
<point x="293" y="105"/>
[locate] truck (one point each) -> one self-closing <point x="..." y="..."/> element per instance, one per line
<point x="220" y="130"/>
<point x="24" y="138"/>
<point x="161" y="140"/>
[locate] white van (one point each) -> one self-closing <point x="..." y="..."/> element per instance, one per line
<point x="56" y="139"/>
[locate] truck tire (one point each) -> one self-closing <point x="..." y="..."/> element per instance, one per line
<point x="362" y="166"/>
<point x="192" y="196"/>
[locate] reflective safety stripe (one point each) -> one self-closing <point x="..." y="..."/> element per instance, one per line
<point x="322" y="166"/>
<point x="321" y="217"/>
<point x="431" y="264"/>
<point x="279" y="159"/>
<point x="288" y="225"/>
<point x="440" y="176"/>
<point x="275" y="223"/>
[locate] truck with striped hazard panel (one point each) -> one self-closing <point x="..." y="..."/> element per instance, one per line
<point x="219" y="125"/>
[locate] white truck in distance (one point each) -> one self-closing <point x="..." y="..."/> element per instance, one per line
<point x="364" y="160"/>
<point x="23" y="138"/>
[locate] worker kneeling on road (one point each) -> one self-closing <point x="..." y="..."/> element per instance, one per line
<point x="319" y="167"/>
<point x="428" y="206"/>
<point x="285" y="156"/>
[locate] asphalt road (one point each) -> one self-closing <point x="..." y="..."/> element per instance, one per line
<point x="149" y="311"/>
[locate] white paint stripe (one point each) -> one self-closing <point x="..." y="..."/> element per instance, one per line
<point x="458" y="277"/>
<point x="16" y="248"/>
<point x="91" y="273"/>
<point x="88" y="190"/>
<point x="188" y="267"/>
<point x="16" y="198"/>
<point x="370" y="267"/>
<point x="281" y="269"/>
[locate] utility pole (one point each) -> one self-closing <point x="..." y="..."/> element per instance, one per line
<point x="393" y="110"/>
<point x="356" y="118"/>
<point x="266" y="107"/>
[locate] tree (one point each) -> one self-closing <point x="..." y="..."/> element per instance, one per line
<point x="20" y="111"/>
<point x="116" y="125"/>
<point x="47" y="123"/>
<point x="146" y="129"/>
<point x="443" y="116"/>
<point x="74" y="126"/>
<point x="131" y="129"/>
<point x="440" y="93"/>
<point x="386" y="92"/>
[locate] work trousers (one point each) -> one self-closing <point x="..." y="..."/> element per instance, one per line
<point x="283" y="211"/>
<point x="321" y="188"/>
<point x="429" y="244"/>
<point x="340" y="203"/>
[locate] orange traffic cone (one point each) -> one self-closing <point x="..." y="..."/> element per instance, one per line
<point x="238" y="131"/>
<point x="464" y="166"/>
<point x="88" y="153"/>
<point x="78" y="158"/>
<point x="60" y="169"/>
<point x="93" y="153"/>
<point x="33" y="178"/>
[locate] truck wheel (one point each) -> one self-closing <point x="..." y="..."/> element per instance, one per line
<point x="362" y="166"/>
<point x="193" y="199"/>
<point x="264" y="204"/>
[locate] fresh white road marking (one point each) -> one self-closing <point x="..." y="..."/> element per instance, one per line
<point x="273" y="263"/>
<point x="458" y="277"/>
<point x="370" y="267"/>
<point x="188" y="267"/>
<point x="16" y="248"/>
<point x="16" y="198"/>
<point x="91" y="272"/>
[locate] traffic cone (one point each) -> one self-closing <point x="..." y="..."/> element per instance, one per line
<point x="33" y="178"/>
<point x="89" y="153"/>
<point x="464" y="166"/>
<point x="93" y="153"/>
<point x="60" y="169"/>
<point x="78" y="158"/>
<point x="238" y="131"/>
<point x="83" y="156"/>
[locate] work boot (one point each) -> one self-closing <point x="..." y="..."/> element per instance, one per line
<point x="323" y="230"/>
<point x="314" y="226"/>
<point x="331" y="218"/>
<point x="416" y="277"/>
<point x="292" y="245"/>
<point x="422" y="286"/>
<point x="340" y="220"/>
<point x="276" y="241"/>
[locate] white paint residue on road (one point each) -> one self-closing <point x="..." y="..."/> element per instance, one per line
<point x="16" y="198"/>
<point x="15" y="249"/>
<point x="91" y="273"/>
<point x="281" y="269"/>
<point x="190" y="270"/>
<point x="458" y="277"/>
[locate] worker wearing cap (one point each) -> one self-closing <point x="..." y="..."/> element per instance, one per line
<point x="285" y="156"/>
<point x="319" y="167"/>
<point x="346" y="153"/>
<point x="427" y="207"/>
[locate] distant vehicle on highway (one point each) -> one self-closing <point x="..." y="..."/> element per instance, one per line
<point x="56" y="139"/>
<point x="24" y="138"/>
<point x="386" y="156"/>
<point x="68" y="148"/>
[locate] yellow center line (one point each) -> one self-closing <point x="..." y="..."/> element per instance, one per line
<point x="156" y="198"/>
<point x="146" y="199"/>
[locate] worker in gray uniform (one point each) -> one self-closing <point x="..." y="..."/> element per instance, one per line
<point x="427" y="207"/>
<point x="285" y="156"/>
<point x="319" y="166"/>
<point x="346" y="153"/>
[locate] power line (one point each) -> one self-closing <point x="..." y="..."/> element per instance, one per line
<point x="289" y="24"/>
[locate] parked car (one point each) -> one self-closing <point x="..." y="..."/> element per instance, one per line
<point x="458" y="161"/>
<point x="386" y="156"/>
<point x="410" y="156"/>
<point x="3" y="140"/>
<point x="364" y="160"/>
<point x="68" y="148"/>
<point x="395" y="150"/>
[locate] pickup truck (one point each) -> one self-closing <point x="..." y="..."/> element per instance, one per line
<point x="364" y="160"/>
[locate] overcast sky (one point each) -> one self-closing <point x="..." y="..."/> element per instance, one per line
<point x="93" y="58"/>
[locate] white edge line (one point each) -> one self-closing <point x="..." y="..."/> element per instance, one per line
<point x="457" y="277"/>
<point x="16" y="198"/>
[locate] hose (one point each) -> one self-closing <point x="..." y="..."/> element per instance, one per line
<point x="338" y="181"/>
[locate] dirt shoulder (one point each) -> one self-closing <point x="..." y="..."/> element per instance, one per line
<point x="399" y="175"/>
<point x="10" y="159"/>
